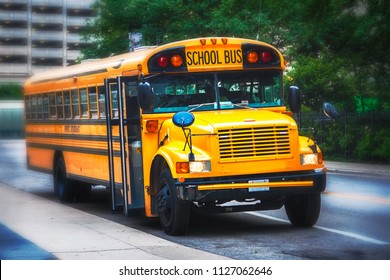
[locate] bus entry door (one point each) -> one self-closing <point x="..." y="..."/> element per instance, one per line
<point x="124" y="160"/>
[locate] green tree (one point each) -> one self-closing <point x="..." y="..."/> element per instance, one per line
<point x="11" y="91"/>
<point x="337" y="49"/>
<point x="349" y="38"/>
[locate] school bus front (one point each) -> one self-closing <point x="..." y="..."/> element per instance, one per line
<point x="216" y="135"/>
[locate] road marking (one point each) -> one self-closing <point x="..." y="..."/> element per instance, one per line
<point x="341" y="232"/>
<point x="368" y="198"/>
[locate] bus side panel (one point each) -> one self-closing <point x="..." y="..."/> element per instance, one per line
<point x="41" y="159"/>
<point x="91" y="167"/>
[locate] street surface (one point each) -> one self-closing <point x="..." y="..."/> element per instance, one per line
<point x="354" y="222"/>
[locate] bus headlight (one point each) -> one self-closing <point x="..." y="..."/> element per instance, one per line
<point x="200" y="166"/>
<point x="193" y="167"/>
<point x="307" y="159"/>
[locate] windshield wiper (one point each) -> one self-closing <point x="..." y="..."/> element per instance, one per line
<point x="197" y="106"/>
<point x="243" y="105"/>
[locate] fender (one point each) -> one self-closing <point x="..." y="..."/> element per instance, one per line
<point x="173" y="152"/>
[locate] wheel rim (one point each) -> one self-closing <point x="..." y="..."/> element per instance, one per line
<point x="165" y="204"/>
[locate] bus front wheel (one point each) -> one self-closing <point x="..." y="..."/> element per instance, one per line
<point x="303" y="210"/>
<point x="174" y="214"/>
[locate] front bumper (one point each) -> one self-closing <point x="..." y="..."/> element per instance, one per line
<point x="244" y="187"/>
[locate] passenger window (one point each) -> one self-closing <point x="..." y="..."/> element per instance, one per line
<point x="84" y="103"/>
<point x="33" y="107"/>
<point x="75" y="104"/>
<point x="67" y="108"/>
<point x="60" y="104"/>
<point x="93" y="102"/>
<point x="27" y="105"/>
<point x="52" y="102"/>
<point x="39" y="107"/>
<point x="102" y="102"/>
<point x="46" y="106"/>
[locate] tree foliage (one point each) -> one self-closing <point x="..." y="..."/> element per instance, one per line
<point x="11" y="91"/>
<point x="337" y="49"/>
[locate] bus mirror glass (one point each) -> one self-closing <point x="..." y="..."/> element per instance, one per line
<point x="294" y="99"/>
<point x="145" y="96"/>
<point x="330" y="111"/>
<point x="183" y="119"/>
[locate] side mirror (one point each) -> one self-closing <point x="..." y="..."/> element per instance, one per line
<point x="145" y="96"/>
<point x="183" y="119"/>
<point x="330" y="111"/>
<point x="294" y="99"/>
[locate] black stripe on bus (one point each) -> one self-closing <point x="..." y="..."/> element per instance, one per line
<point x="91" y="180"/>
<point x="85" y="137"/>
<point x="39" y="169"/>
<point x="98" y="71"/>
<point x="70" y="121"/>
<point x="80" y="150"/>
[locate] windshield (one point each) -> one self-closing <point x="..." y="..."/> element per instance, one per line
<point x="215" y="91"/>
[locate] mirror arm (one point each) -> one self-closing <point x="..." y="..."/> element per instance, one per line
<point x="188" y="136"/>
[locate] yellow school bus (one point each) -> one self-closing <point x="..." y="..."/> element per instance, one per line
<point x="196" y="124"/>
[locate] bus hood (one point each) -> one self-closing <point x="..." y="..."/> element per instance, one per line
<point x="242" y="118"/>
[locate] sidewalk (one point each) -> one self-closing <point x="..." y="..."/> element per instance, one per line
<point x="71" y="234"/>
<point x="358" y="168"/>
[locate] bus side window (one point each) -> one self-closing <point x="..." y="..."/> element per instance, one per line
<point x="39" y="106"/>
<point x="45" y="98"/>
<point x="92" y="102"/>
<point x="67" y="108"/>
<point x="84" y="103"/>
<point x="75" y="104"/>
<point x="60" y="103"/>
<point x="114" y="101"/>
<point x="102" y="102"/>
<point x="27" y="105"/>
<point x="52" y="104"/>
<point x="33" y="107"/>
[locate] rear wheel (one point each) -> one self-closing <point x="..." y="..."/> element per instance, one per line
<point x="68" y="190"/>
<point x="63" y="187"/>
<point x="174" y="214"/>
<point x="303" y="210"/>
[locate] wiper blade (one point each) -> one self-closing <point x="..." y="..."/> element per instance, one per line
<point x="197" y="106"/>
<point x="244" y="105"/>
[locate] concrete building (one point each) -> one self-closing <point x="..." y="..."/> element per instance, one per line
<point x="37" y="35"/>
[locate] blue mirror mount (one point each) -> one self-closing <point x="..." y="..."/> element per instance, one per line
<point x="184" y="120"/>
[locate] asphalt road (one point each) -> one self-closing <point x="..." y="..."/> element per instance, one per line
<point x="354" y="222"/>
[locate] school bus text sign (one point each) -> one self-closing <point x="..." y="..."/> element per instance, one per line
<point x="214" y="57"/>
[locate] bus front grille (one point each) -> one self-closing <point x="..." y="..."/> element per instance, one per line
<point x="254" y="142"/>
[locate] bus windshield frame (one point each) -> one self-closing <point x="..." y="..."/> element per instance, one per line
<point x="210" y="91"/>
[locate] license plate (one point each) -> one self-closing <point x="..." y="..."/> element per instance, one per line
<point x="258" y="189"/>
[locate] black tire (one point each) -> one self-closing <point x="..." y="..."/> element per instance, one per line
<point x="63" y="187"/>
<point x="174" y="214"/>
<point x="303" y="210"/>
